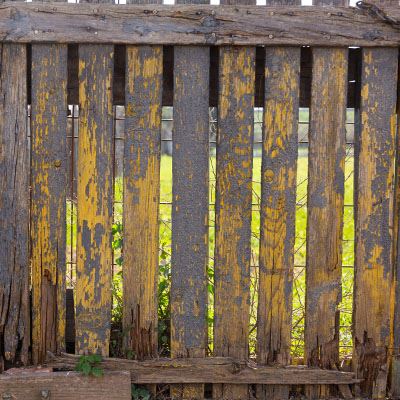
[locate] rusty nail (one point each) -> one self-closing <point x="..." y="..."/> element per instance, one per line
<point x="213" y="35"/>
<point x="57" y="163"/>
<point x="45" y="394"/>
<point x="329" y="14"/>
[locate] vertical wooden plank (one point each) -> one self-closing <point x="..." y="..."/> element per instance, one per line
<point x="190" y="199"/>
<point x="14" y="205"/>
<point x="325" y="209"/>
<point x="48" y="197"/>
<point x="95" y="190"/>
<point x="233" y="208"/>
<point x="141" y="197"/>
<point x="278" y="212"/>
<point x="373" y="221"/>
<point x="395" y="367"/>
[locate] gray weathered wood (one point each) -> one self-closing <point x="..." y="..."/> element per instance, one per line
<point x="373" y="300"/>
<point x="24" y="385"/>
<point x="190" y="207"/>
<point x="48" y="197"/>
<point x="210" y="370"/>
<point x="14" y="205"/>
<point x="195" y="24"/>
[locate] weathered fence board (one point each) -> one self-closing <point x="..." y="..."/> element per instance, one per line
<point x="190" y="207"/>
<point x="212" y="370"/>
<point x="190" y="195"/>
<point x="233" y="208"/>
<point x="95" y="194"/>
<point x="195" y="24"/>
<point x="14" y="205"/>
<point x="327" y="139"/>
<point x="278" y="209"/>
<point x="65" y="386"/>
<point x="373" y="219"/>
<point x="48" y="197"/>
<point x="141" y="197"/>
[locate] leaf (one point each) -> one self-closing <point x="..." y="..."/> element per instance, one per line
<point x="97" y="372"/>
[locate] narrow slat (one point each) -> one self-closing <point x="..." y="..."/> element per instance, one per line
<point x="233" y="208"/>
<point x="141" y="197"/>
<point x="278" y="212"/>
<point x="395" y="368"/>
<point x="190" y="173"/>
<point x="14" y="205"/>
<point x="325" y="196"/>
<point x="48" y="197"/>
<point x="373" y="219"/>
<point x="94" y="253"/>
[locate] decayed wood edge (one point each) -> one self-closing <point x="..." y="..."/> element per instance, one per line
<point x="195" y="24"/>
<point x="209" y="370"/>
<point x="26" y="384"/>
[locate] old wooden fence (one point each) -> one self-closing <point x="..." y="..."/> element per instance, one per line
<point x="55" y="54"/>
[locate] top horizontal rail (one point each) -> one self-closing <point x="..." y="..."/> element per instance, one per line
<point x="195" y="24"/>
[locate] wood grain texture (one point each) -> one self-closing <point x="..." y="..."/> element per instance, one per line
<point x="195" y="24"/>
<point x="233" y="208"/>
<point x="278" y="211"/>
<point x="95" y="193"/>
<point x="48" y="197"/>
<point x="65" y="386"/>
<point x="211" y="370"/>
<point x="141" y="197"/>
<point x="395" y="363"/>
<point x="14" y="206"/>
<point x="325" y="196"/>
<point x="190" y="197"/>
<point x="374" y="220"/>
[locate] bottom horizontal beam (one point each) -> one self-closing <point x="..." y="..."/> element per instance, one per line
<point x="24" y="384"/>
<point x="211" y="370"/>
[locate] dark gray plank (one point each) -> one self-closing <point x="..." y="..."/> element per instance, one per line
<point x="196" y="24"/>
<point x="190" y="208"/>
<point x="14" y="205"/>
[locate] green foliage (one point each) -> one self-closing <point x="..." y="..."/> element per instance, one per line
<point x="140" y="393"/>
<point x="90" y="365"/>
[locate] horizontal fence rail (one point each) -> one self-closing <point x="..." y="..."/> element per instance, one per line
<point x="196" y="24"/>
<point x="208" y="307"/>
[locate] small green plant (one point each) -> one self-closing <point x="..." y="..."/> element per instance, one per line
<point x="140" y="393"/>
<point x="90" y="365"/>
